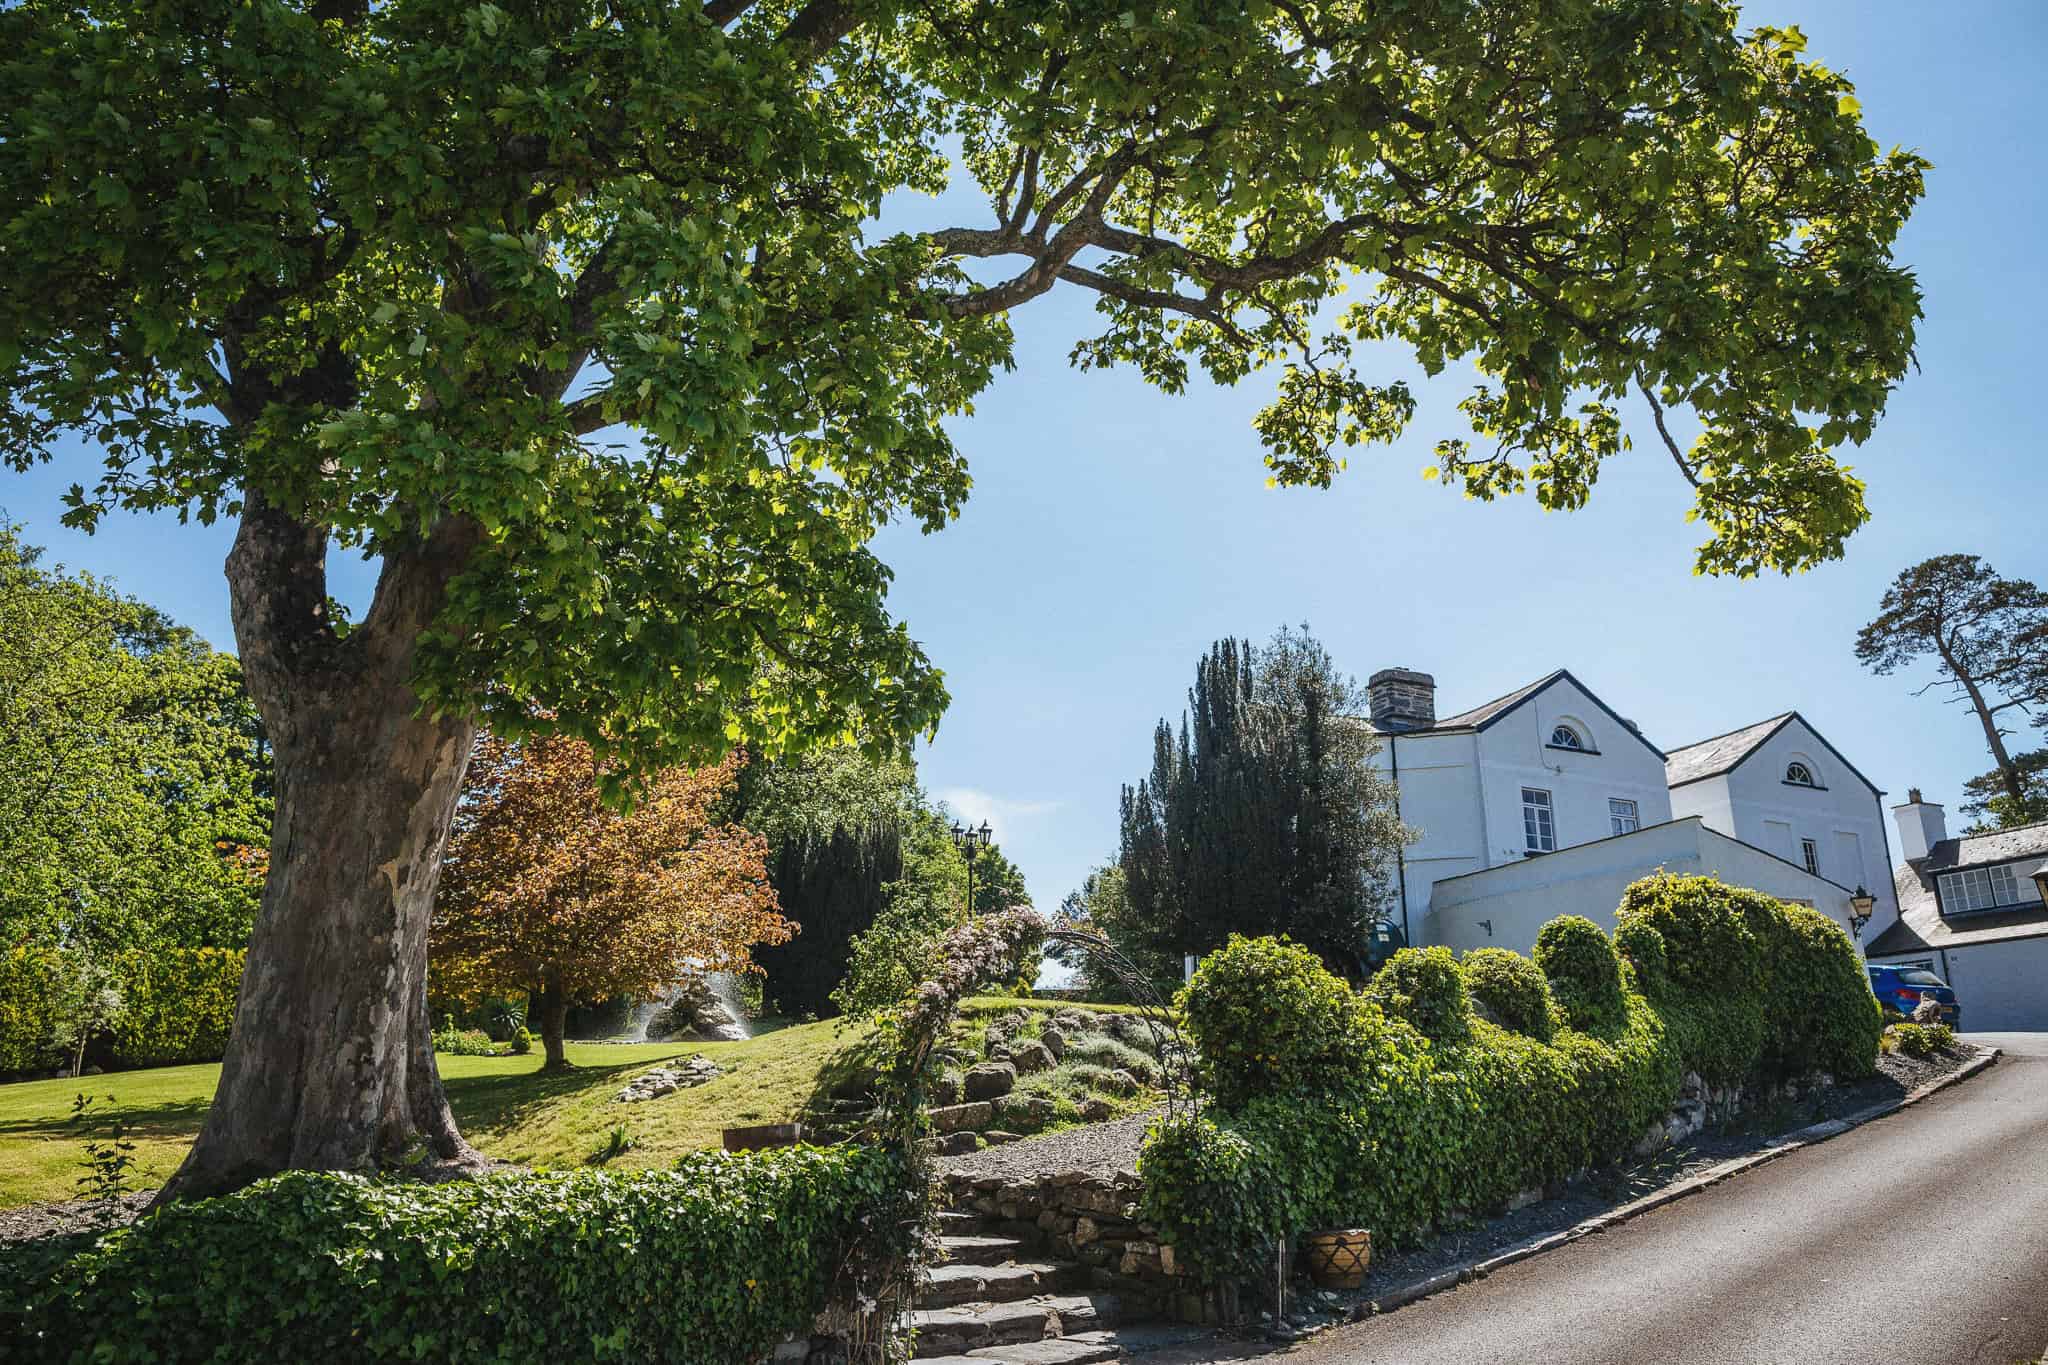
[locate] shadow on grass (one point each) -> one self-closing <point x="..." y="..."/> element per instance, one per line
<point x="166" y="1119"/>
<point x="503" y="1101"/>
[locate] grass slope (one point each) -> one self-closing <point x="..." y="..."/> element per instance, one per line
<point x="505" y="1105"/>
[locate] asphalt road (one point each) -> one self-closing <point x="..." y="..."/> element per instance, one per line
<point x="1920" y="1238"/>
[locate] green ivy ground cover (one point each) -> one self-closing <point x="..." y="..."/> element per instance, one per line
<point x="711" y="1262"/>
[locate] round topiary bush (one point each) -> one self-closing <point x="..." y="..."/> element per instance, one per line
<point x="1267" y="1017"/>
<point x="1512" y="988"/>
<point x="1424" y="987"/>
<point x="1642" y="948"/>
<point x="1584" y="974"/>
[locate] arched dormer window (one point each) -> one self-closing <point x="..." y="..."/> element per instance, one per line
<point x="1565" y="737"/>
<point x="1799" y="775"/>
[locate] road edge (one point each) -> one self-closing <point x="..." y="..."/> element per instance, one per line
<point x="1782" y="1145"/>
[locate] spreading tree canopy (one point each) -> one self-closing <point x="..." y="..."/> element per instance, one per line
<point x="577" y="317"/>
<point x="134" y="779"/>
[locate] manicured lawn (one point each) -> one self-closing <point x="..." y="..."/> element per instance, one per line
<point x="506" y="1107"/>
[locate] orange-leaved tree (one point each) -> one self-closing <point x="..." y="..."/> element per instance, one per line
<point x="549" y="889"/>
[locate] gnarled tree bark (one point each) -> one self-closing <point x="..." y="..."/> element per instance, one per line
<point x="330" y="1064"/>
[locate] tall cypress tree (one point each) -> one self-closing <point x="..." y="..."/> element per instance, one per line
<point x="1265" y="814"/>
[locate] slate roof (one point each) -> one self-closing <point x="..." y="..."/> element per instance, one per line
<point x="1725" y="753"/>
<point x="1712" y="757"/>
<point x="1999" y="846"/>
<point x="1479" y="717"/>
<point x="1920" y="927"/>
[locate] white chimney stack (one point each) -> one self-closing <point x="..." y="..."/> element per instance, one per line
<point x="1922" y="825"/>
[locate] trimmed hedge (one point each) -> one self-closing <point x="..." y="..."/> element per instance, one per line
<point x="1578" y="960"/>
<point x="1424" y="987"/>
<point x="1513" y="988"/>
<point x="1754" y="987"/>
<point x="177" y="1005"/>
<point x="34" y="984"/>
<point x="1352" y="1116"/>
<point x="711" y="1262"/>
<point x="1271" y="1017"/>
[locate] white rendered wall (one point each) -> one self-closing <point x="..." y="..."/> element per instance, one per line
<point x="1514" y="753"/>
<point x="1505" y="907"/>
<point x="1439" y="787"/>
<point x="1747" y="804"/>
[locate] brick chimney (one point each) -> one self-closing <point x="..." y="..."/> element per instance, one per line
<point x="1922" y="825"/>
<point x="1402" y="699"/>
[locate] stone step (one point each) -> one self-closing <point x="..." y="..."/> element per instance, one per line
<point x="958" y="1220"/>
<point x="943" y="1332"/>
<point x="1116" y="1343"/>
<point x="1049" y="1351"/>
<point x="947" y="1285"/>
<point x="977" y="1249"/>
<point x="953" y="1331"/>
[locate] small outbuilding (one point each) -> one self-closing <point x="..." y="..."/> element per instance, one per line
<point x="1971" y="910"/>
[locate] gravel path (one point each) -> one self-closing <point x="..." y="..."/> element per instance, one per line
<point x="1102" y="1147"/>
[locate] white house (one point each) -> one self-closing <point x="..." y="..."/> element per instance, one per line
<point x="1779" y="786"/>
<point x="1505" y="907"/>
<point x="1546" y="802"/>
<point x="1971" y="909"/>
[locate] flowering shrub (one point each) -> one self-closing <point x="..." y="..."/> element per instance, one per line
<point x="984" y="950"/>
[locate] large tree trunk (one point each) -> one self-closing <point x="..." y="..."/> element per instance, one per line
<point x="552" y="1004"/>
<point x="330" y="1065"/>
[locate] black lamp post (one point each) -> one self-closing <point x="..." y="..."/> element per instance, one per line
<point x="970" y="841"/>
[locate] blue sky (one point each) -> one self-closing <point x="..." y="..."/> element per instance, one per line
<point x="1114" y="532"/>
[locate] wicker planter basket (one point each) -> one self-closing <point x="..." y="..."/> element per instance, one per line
<point x="1337" y="1257"/>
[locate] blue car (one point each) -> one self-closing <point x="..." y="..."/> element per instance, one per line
<point x="1903" y="988"/>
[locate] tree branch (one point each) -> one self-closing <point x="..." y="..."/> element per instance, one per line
<point x="1657" y="414"/>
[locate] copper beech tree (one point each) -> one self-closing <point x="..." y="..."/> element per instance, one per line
<point x="547" y="888"/>
<point x="586" y="320"/>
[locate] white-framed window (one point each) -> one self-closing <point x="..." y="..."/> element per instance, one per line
<point x="1622" y="815"/>
<point x="1809" y="853"/>
<point x="1799" y="775"/>
<point x="1539" y="831"/>
<point x="1980" y="888"/>
<point x="1565" y="737"/>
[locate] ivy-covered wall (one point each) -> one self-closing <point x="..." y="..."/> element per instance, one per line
<point x="1399" y="1108"/>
